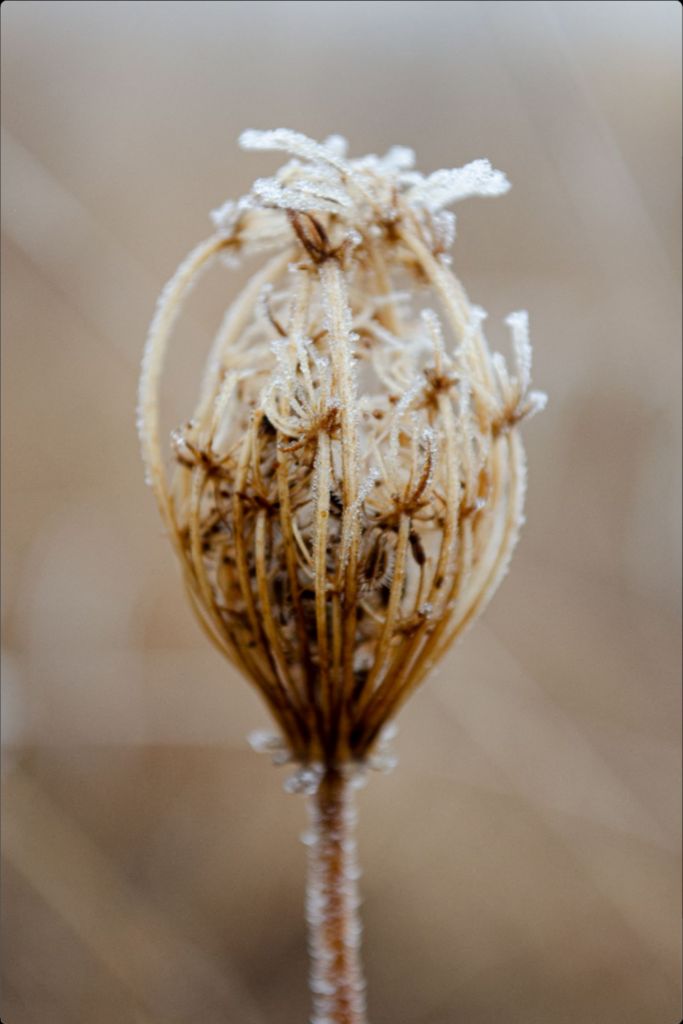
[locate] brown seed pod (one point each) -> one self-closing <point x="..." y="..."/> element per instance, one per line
<point x="326" y="501"/>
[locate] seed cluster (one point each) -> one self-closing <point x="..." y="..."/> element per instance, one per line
<point x="346" y="496"/>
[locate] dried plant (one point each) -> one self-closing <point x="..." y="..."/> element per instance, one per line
<point x="349" y="489"/>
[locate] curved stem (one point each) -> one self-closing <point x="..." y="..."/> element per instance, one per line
<point x="168" y="308"/>
<point x="332" y="902"/>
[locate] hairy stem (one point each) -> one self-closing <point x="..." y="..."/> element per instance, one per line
<point x="332" y="903"/>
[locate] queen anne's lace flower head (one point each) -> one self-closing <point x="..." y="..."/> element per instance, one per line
<point x="349" y="489"/>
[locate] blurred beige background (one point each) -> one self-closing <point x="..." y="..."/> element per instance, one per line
<point x="522" y="861"/>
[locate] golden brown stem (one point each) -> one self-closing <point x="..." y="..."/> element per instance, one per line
<point x="336" y="299"/>
<point x="322" y="477"/>
<point x="332" y="902"/>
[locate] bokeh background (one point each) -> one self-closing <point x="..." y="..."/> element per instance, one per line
<point x="522" y="861"/>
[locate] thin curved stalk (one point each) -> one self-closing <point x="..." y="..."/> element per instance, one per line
<point x="234" y="323"/>
<point x="168" y="309"/>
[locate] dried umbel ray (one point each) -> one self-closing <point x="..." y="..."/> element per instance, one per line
<point x="349" y="488"/>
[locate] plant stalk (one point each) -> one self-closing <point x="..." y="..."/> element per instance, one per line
<point x="332" y="902"/>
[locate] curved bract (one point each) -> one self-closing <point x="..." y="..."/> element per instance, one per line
<point x="348" y="491"/>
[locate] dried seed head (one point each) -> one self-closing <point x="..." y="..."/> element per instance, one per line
<point x="348" y="492"/>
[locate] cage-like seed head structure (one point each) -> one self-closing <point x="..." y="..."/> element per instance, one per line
<point x="349" y="488"/>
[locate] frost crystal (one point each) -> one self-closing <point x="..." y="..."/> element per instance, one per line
<point x="304" y="780"/>
<point x="519" y="325"/>
<point x="445" y="187"/>
<point x="362" y="192"/>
